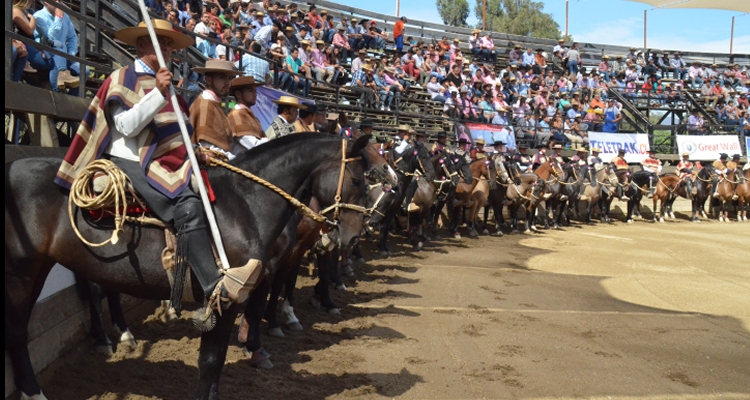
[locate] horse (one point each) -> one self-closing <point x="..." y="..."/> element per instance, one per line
<point x="743" y="192"/>
<point x="634" y="194"/>
<point x="463" y="194"/>
<point x="89" y="291"/>
<point x="666" y="187"/>
<point x="592" y="191"/>
<point x="251" y="217"/>
<point x="496" y="197"/>
<point x="725" y="190"/>
<point x="479" y="197"/>
<point x="697" y="195"/>
<point x="553" y="191"/>
<point x="571" y="188"/>
<point x="417" y="159"/>
<point x="426" y="195"/>
<point x="525" y="189"/>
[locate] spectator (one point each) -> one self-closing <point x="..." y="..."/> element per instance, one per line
<point x="292" y="82"/>
<point x="695" y="74"/>
<point x="53" y="26"/>
<point x="527" y="59"/>
<point x="398" y="34"/>
<point x="695" y="123"/>
<point x="574" y="59"/>
<point x="514" y="57"/>
<point x="604" y="68"/>
<point x="24" y="24"/>
<point x="679" y="67"/>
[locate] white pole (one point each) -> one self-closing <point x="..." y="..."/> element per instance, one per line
<point x="186" y="139"/>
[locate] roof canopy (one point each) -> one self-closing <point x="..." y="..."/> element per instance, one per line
<point x="733" y="5"/>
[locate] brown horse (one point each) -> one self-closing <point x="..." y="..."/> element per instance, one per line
<point x="462" y="198"/>
<point x="553" y="189"/>
<point x="725" y="191"/>
<point x="446" y="179"/>
<point x="525" y="190"/>
<point x="480" y="194"/>
<point x="742" y="190"/>
<point x="666" y="192"/>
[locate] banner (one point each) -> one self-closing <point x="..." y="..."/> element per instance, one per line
<point x="708" y="147"/>
<point x="635" y="145"/>
<point x="265" y="110"/>
<point x="747" y="148"/>
<point x="490" y="133"/>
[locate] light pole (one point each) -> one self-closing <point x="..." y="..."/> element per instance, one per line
<point x="567" y="4"/>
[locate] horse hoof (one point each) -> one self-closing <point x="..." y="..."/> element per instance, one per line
<point x="361" y="260"/>
<point x="514" y="231"/>
<point x="556" y="227"/>
<point x="457" y="236"/>
<point x="128" y="340"/>
<point x="630" y="221"/>
<point x="533" y="228"/>
<point x="104" y="349"/>
<point x="334" y="311"/>
<point x="527" y="231"/>
<point x="276" y="332"/>
<point x="486" y="232"/>
<point x="383" y="253"/>
<point x="347" y="270"/>
<point x="661" y="219"/>
<point x="473" y="234"/>
<point x="418" y="246"/>
<point x="341" y="288"/>
<point x="295" y="326"/>
<point x="258" y="359"/>
<point x="39" y="396"/>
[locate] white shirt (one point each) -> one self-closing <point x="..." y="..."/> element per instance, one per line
<point x="202" y="29"/>
<point x="128" y="125"/>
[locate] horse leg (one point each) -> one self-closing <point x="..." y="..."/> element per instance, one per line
<point x="274" y="328"/>
<point x="497" y="211"/>
<point x="118" y="318"/>
<point x="383" y="239"/>
<point x="213" y="354"/>
<point x="455" y="215"/>
<point x="93" y="292"/>
<point x="529" y="220"/>
<point x="322" y="293"/>
<point x="249" y="333"/>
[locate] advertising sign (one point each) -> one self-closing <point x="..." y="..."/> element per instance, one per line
<point x="635" y="145"/>
<point x="708" y="147"/>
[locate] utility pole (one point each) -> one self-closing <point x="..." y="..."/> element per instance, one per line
<point x="567" y="4"/>
<point x="398" y="8"/>
<point x="484" y="15"/>
<point x="644" y="30"/>
<point x="731" y="36"/>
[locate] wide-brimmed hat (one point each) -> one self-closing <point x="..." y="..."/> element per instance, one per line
<point x="260" y="14"/>
<point x="162" y="27"/>
<point x="557" y="146"/>
<point x="403" y="128"/>
<point x="620" y="151"/>
<point x="456" y="40"/>
<point x="542" y="146"/>
<point x="735" y="156"/>
<point x="685" y="154"/>
<point x="518" y="46"/>
<point x="522" y="146"/>
<point x="476" y="31"/>
<point x="723" y="155"/>
<point x="218" y="66"/>
<point x="480" y="141"/>
<point x="596" y="150"/>
<point x="441" y="135"/>
<point x="560" y="40"/>
<point x="581" y="149"/>
<point x="605" y="57"/>
<point x="317" y="42"/>
<point x="244" y="81"/>
<point x="289" y="101"/>
<point x="366" y="123"/>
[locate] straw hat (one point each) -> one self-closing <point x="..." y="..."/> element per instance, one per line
<point x="581" y="149"/>
<point x="605" y="57"/>
<point x="456" y="40"/>
<point x="218" y="66"/>
<point x="518" y="46"/>
<point x="319" y="42"/>
<point x="353" y="20"/>
<point x="260" y="14"/>
<point x="162" y="27"/>
<point x="596" y="150"/>
<point x="480" y="141"/>
<point x="686" y="154"/>
<point x="289" y="101"/>
<point x="403" y="128"/>
<point x="244" y="81"/>
<point x="475" y="31"/>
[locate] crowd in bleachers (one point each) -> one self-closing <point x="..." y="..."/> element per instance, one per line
<point x="541" y="94"/>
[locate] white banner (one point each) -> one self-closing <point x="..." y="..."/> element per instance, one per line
<point x="635" y="145"/>
<point x="708" y="147"/>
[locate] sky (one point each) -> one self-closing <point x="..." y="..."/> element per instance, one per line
<point x="616" y="22"/>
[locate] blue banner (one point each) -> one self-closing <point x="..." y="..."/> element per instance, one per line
<point x="265" y="109"/>
<point x="490" y="133"/>
<point x="747" y="148"/>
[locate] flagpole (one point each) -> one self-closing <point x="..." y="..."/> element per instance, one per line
<point x="188" y="146"/>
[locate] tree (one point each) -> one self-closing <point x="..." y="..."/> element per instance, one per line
<point x="518" y="17"/>
<point x="453" y="12"/>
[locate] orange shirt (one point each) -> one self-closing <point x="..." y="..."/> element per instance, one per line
<point x="620" y="163"/>
<point x="398" y="29"/>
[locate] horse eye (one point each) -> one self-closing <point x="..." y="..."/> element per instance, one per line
<point x="356" y="182"/>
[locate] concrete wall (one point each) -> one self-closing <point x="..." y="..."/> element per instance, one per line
<point x="60" y="321"/>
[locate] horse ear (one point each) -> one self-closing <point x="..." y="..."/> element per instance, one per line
<point x="360" y="144"/>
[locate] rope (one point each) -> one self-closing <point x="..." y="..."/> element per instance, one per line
<point x="114" y="195"/>
<point x="305" y="210"/>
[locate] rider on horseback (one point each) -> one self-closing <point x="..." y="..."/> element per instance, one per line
<point x="131" y="123"/>
<point x="621" y="164"/>
<point x="722" y="169"/>
<point x="522" y="159"/>
<point x="540" y="157"/>
<point x="403" y="145"/>
<point x="652" y="165"/>
<point x="686" y="174"/>
<point x="477" y="151"/>
<point x="440" y="146"/>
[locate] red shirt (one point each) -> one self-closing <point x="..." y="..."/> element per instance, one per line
<point x="398" y="29"/>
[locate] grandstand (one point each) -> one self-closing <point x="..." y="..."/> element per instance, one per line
<point x="34" y="107"/>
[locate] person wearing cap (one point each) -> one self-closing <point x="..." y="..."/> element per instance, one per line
<point x="287" y="109"/>
<point x="686" y="172"/>
<point x="244" y="125"/>
<point x="540" y="157"/>
<point x="679" y="67"/>
<point x="522" y="159"/>
<point x="579" y="158"/>
<point x="211" y="127"/>
<point x="439" y="147"/>
<point x="652" y="165"/>
<point x="140" y="139"/>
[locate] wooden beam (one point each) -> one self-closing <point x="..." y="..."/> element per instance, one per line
<point x="31" y="99"/>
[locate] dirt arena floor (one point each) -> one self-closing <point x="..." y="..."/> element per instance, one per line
<point x="609" y="311"/>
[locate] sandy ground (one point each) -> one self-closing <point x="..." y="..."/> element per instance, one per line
<point x="610" y="311"/>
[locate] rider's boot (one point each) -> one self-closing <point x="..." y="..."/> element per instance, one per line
<point x="410" y="190"/>
<point x="651" y="188"/>
<point x="715" y="184"/>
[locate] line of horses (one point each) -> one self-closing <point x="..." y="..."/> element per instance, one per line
<point x="256" y="225"/>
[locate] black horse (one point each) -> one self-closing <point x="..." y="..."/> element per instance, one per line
<point x="251" y="217"/>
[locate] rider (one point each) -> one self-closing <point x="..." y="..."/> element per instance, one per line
<point x="404" y="145"/>
<point x="440" y="146"/>
<point x="720" y="166"/>
<point x="652" y="165"/>
<point x="461" y="149"/>
<point x="621" y="164"/>
<point x="477" y="150"/>
<point x="148" y="121"/>
<point x="594" y="160"/>
<point x="733" y="166"/>
<point x="557" y="155"/>
<point x="686" y="173"/>
<point x="522" y="159"/>
<point x="540" y="157"/>
<point x="245" y="126"/>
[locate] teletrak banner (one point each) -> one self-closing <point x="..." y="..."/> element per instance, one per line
<point x="747" y="148"/>
<point x="265" y="109"/>
<point x="490" y="133"/>
<point x="635" y="145"/>
<point x="708" y="147"/>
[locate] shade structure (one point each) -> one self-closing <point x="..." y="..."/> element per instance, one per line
<point x="732" y="5"/>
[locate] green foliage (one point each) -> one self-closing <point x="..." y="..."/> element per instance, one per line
<point x="518" y="17"/>
<point x="453" y="12"/>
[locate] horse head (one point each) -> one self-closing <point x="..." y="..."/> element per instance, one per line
<point x="491" y="172"/>
<point x="515" y="172"/>
<point x="448" y="167"/>
<point x="500" y="169"/>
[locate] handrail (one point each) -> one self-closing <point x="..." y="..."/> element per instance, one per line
<point x="34" y="43"/>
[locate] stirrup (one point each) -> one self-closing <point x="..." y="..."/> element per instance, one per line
<point x="412" y="207"/>
<point x="735" y="197"/>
